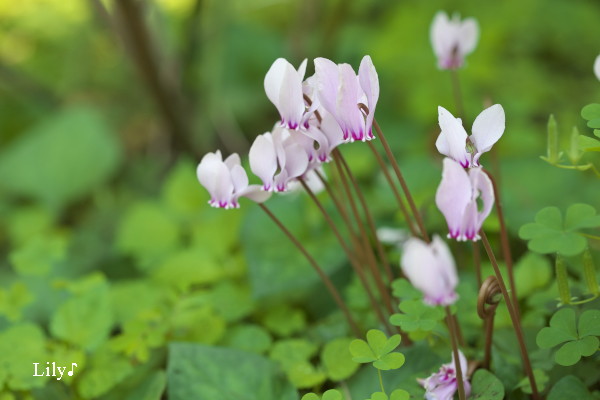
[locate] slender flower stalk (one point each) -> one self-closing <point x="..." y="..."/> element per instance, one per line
<point x="513" y="316"/>
<point x="361" y="198"/>
<point x="396" y="167"/>
<point x="457" y="92"/>
<point x="487" y="302"/>
<point x="455" y="352"/>
<point x="506" y="253"/>
<point x="328" y="284"/>
<point x="351" y="257"/>
<point x="477" y="263"/>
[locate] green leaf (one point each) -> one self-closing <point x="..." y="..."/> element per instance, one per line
<point x="310" y="396"/>
<point x="151" y="388"/>
<point x="21" y="346"/>
<point x="251" y="338"/>
<point x="13" y="300"/>
<point x="390" y="361"/>
<point x="106" y="369"/>
<point x="588" y="144"/>
<point x="37" y="256"/>
<point x="532" y="273"/>
<point x="362" y="352"/>
<point x="378" y="342"/>
<point x="404" y="290"/>
<point x="540" y="379"/>
<point x="186" y="268"/>
<point x="591" y="111"/>
<point x="569" y="387"/>
<point x="62" y="159"/>
<point x="399" y="394"/>
<point x="570" y="353"/>
<point x="562" y="328"/>
<point x="589" y="323"/>
<point x="199" y="372"/>
<point x="337" y="359"/>
<point x="284" y="320"/>
<point x="379" y="396"/>
<point x="550" y="234"/>
<point x="85" y="319"/>
<point x="332" y="394"/>
<point x="485" y="386"/>
<point x="417" y="316"/>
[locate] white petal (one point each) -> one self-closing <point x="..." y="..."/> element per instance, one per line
<point x="347" y="111"/>
<point x="453" y="137"/>
<point x="418" y="263"/>
<point x="483" y="185"/>
<point x="332" y="130"/>
<point x="274" y="80"/>
<point x="232" y="160"/>
<point x="468" y="35"/>
<point x="283" y="86"/>
<point x="296" y="161"/>
<point x="239" y="178"/>
<point x="302" y="69"/>
<point x="445" y="262"/>
<point x="453" y="195"/>
<point x="597" y="67"/>
<point x="369" y="82"/>
<point x="255" y="193"/>
<point x="263" y="161"/>
<point x="488" y="128"/>
<point x="326" y="73"/>
<point x="441" y="35"/>
<point x="207" y="170"/>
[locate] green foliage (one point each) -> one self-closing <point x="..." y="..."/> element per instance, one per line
<point x="541" y="379"/>
<point x="417" y="316"/>
<point x="378" y="349"/>
<point x="61" y="159"/>
<point x="397" y="394"/>
<point x="581" y="340"/>
<point x="337" y="359"/>
<point x="402" y="289"/>
<point x="550" y="233"/>
<point x="293" y="355"/>
<point x="17" y="359"/>
<point x="200" y="372"/>
<point x="13" y="300"/>
<point x="331" y="394"/>
<point x="251" y="338"/>
<point x="486" y="386"/>
<point x="591" y="113"/>
<point x="532" y="273"/>
<point x="569" y="387"/>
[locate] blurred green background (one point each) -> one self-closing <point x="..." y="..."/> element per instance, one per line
<point x="109" y="250"/>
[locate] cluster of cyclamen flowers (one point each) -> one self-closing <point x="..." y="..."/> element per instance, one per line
<point x="317" y="115"/>
<point x="325" y="110"/>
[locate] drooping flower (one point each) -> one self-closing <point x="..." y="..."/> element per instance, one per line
<point x="452" y="39"/>
<point x="226" y="181"/>
<point x="443" y="384"/>
<point x="457" y="195"/>
<point x="283" y="85"/>
<point x="431" y="269"/>
<point x="597" y="67"/>
<point x="454" y="142"/>
<point x="340" y="91"/>
<point x="277" y="158"/>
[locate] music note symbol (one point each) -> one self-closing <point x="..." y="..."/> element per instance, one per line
<point x="73" y="365"/>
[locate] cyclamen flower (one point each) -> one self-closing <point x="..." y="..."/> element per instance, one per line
<point x="283" y="85"/>
<point x="278" y="151"/>
<point x="597" y="67"/>
<point x="226" y="181"/>
<point x="443" y="384"/>
<point x="431" y="269"/>
<point x="457" y="195"/>
<point x="454" y="142"/>
<point x="340" y="91"/>
<point x="452" y="39"/>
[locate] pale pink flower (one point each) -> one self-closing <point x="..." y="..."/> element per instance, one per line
<point x="454" y="142"/>
<point x="340" y="91"/>
<point x="452" y="39"/>
<point x="431" y="269"/>
<point x="457" y="195"/>
<point x="226" y="181"/>
<point x="443" y="384"/>
<point x="277" y="158"/>
<point x="597" y="67"/>
<point x="283" y="85"/>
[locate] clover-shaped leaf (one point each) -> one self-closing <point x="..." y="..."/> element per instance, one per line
<point x="377" y="350"/>
<point x="550" y="233"/>
<point x="331" y="394"/>
<point x="417" y="316"/>
<point x="541" y="379"/>
<point x="403" y="289"/>
<point x="397" y="394"/>
<point x="581" y="339"/>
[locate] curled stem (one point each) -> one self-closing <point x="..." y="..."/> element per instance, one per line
<point x="513" y="316"/>
<point x="487" y="302"/>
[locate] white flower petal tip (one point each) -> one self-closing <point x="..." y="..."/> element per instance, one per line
<point x="453" y="39"/>
<point x="443" y="384"/>
<point x="456" y="198"/>
<point x="226" y="181"/>
<point x="430" y="268"/>
<point x="466" y="150"/>
<point x="283" y="86"/>
<point x="597" y="67"/>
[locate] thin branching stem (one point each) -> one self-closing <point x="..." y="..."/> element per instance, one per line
<point x="350" y="254"/>
<point x="513" y="316"/>
<point x="324" y="277"/>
